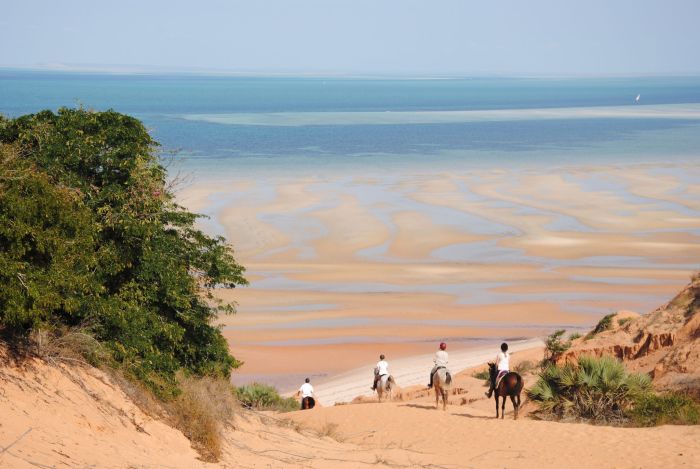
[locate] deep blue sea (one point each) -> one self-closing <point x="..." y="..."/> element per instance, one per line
<point x="220" y="124"/>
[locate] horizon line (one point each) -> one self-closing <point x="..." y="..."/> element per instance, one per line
<point x="140" y="70"/>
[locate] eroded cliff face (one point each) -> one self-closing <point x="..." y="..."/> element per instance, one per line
<point x="664" y="342"/>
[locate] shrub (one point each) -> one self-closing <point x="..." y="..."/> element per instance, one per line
<point x="483" y="374"/>
<point x="90" y="233"/>
<point x="595" y="389"/>
<point x="662" y="409"/>
<point x="623" y="321"/>
<point x="603" y="325"/>
<point x="574" y="336"/>
<point x="264" y="397"/>
<point x="554" y="346"/>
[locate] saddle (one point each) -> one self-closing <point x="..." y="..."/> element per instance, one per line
<point x="499" y="377"/>
<point x="448" y="376"/>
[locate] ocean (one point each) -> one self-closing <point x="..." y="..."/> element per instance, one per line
<point x="392" y="214"/>
<point x="216" y="125"/>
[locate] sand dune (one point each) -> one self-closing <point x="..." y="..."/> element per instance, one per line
<point x="338" y="261"/>
<point x="75" y="417"/>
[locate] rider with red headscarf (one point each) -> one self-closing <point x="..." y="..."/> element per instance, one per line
<point x="440" y="361"/>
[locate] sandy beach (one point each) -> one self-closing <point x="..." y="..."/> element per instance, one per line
<point x="344" y="266"/>
<point x="410" y="371"/>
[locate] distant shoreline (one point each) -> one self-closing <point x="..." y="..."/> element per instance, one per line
<point x="407" y="371"/>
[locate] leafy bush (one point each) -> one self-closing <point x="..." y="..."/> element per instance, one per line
<point x="603" y="325"/>
<point x="264" y="397"/>
<point x="90" y="233"/>
<point x="595" y="389"/>
<point x="483" y="374"/>
<point x="623" y="321"/>
<point x="574" y="336"/>
<point x="554" y="346"/>
<point x="663" y="409"/>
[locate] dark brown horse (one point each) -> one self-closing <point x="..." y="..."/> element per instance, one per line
<point x="509" y="386"/>
<point x="308" y="403"/>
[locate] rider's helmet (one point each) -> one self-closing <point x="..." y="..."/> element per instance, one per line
<point x="443" y="345"/>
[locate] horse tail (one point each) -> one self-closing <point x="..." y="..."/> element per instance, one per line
<point x="448" y="377"/>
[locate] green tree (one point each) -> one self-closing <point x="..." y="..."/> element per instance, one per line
<point x="91" y="234"/>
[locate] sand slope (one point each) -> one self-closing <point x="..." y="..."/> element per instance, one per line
<point x="60" y="416"/>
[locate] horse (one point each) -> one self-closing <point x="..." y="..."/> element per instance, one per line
<point x="509" y="386"/>
<point x="385" y="385"/>
<point x="308" y="403"/>
<point x="442" y="382"/>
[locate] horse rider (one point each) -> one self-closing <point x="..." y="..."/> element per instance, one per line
<point x="502" y="365"/>
<point x="380" y="370"/>
<point x="306" y="391"/>
<point x="440" y="361"/>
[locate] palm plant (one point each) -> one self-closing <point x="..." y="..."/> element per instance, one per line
<point x="597" y="389"/>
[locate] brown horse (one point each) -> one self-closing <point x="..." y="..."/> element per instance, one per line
<point x="509" y="386"/>
<point x="308" y="403"/>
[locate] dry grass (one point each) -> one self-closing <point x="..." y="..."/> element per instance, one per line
<point x="525" y="367"/>
<point x="201" y="411"/>
<point x="330" y="430"/>
<point x="203" y="408"/>
<point x="67" y="345"/>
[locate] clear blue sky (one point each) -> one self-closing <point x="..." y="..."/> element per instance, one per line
<point x="400" y="37"/>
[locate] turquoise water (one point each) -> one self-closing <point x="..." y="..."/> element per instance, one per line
<point x="217" y="124"/>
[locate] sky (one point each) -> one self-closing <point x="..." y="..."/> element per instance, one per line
<point x="356" y="37"/>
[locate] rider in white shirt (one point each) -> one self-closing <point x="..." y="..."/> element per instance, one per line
<point x="440" y="361"/>
<point x="306" y="390"/>
<point x="380" y="370"/>
<point x="502" y="365"/>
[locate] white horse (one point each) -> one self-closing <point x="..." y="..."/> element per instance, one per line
<point x="442" y="383"/>
<point x="385" y="386"/>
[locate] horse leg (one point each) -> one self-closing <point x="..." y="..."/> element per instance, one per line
<point x="444" y="399"/>
<point x="437" y="397"/>
<point x="496" y="404"/>
<point x="515" y="407"/>
<point x="503" y="408"/>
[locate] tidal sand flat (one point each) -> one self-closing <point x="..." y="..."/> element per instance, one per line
<point x="346" y="266"/>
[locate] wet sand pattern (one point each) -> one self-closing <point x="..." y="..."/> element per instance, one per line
<point x="357" y="263"/>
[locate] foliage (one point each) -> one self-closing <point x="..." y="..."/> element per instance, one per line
<point x="574" y="336"/>
<point x="483" y="375"/>
<point x="554" y="346"/>
<point x="664" y="409"/>
<point x="623" y="321"/>
<point x="603" y="325"/>
<point x="90" y="234"/>
<point x="595" y="389"/>
<point x="262" y="396"/>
